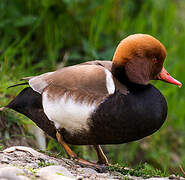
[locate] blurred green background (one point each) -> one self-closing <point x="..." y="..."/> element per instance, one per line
<point x="40" y="36"/>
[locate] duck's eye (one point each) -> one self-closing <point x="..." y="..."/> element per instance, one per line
<point x="155" y="60"/>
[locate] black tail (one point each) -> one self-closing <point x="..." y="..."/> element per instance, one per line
<point x="20" y="84"/>
<point x="29" y="103"/>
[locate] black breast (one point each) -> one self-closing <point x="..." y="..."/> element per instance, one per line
<point x="124" y="118"/>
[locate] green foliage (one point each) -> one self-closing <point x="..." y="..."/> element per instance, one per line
<point x="40" y="35"/>
<point x="43" y="163"/>
<point x="142" y="170"/>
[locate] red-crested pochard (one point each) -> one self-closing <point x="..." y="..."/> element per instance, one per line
<point x="101" y="102"/>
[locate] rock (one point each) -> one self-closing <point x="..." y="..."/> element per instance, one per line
<point x="12" y="173"/>
<point x="79" y="178"/>
<point x="86" y="171"/>
<point x="173" y="176"/>
<point x="27" y="157"/>
<point x="23" y="149"/>
<point x="89" y="173"/>
<point x="55" y="173"/>
<point x="4" y="160"/>
<point x="157" y="178"/>
<point x="24" y="163"/>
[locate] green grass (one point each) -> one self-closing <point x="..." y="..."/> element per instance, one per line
<point x="43" y="163"/>
<point x="44" y="35"/>
<point x="142" y="170"/>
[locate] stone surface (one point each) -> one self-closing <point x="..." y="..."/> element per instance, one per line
<point x="24" y="163"/>
<point x="12" y="173"/>
<point x="86" y="171"/>
<point x="54" y="172"/>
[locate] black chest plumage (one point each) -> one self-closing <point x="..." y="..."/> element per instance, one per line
<point x="124" y="118"/>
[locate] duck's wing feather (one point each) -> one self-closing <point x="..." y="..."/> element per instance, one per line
<point x="105" y="64"/>
<point x="93" y="78"/>
<point x="79" y="81"/>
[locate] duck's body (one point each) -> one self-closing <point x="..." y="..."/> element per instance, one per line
<point x="101" y="102"/>
<point x="86" y="117"/>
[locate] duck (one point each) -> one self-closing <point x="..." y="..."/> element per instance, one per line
<point x="100" y="102"/>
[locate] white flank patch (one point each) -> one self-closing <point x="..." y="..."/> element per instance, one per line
<point x="67" y="114"/>
<point x="109" y="82"/>
<point x="38" y="83"/>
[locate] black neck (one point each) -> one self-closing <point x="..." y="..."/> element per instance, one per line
<point x="120" y="74"/>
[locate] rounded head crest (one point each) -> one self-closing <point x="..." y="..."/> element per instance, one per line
<point x="140" y="45"/>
